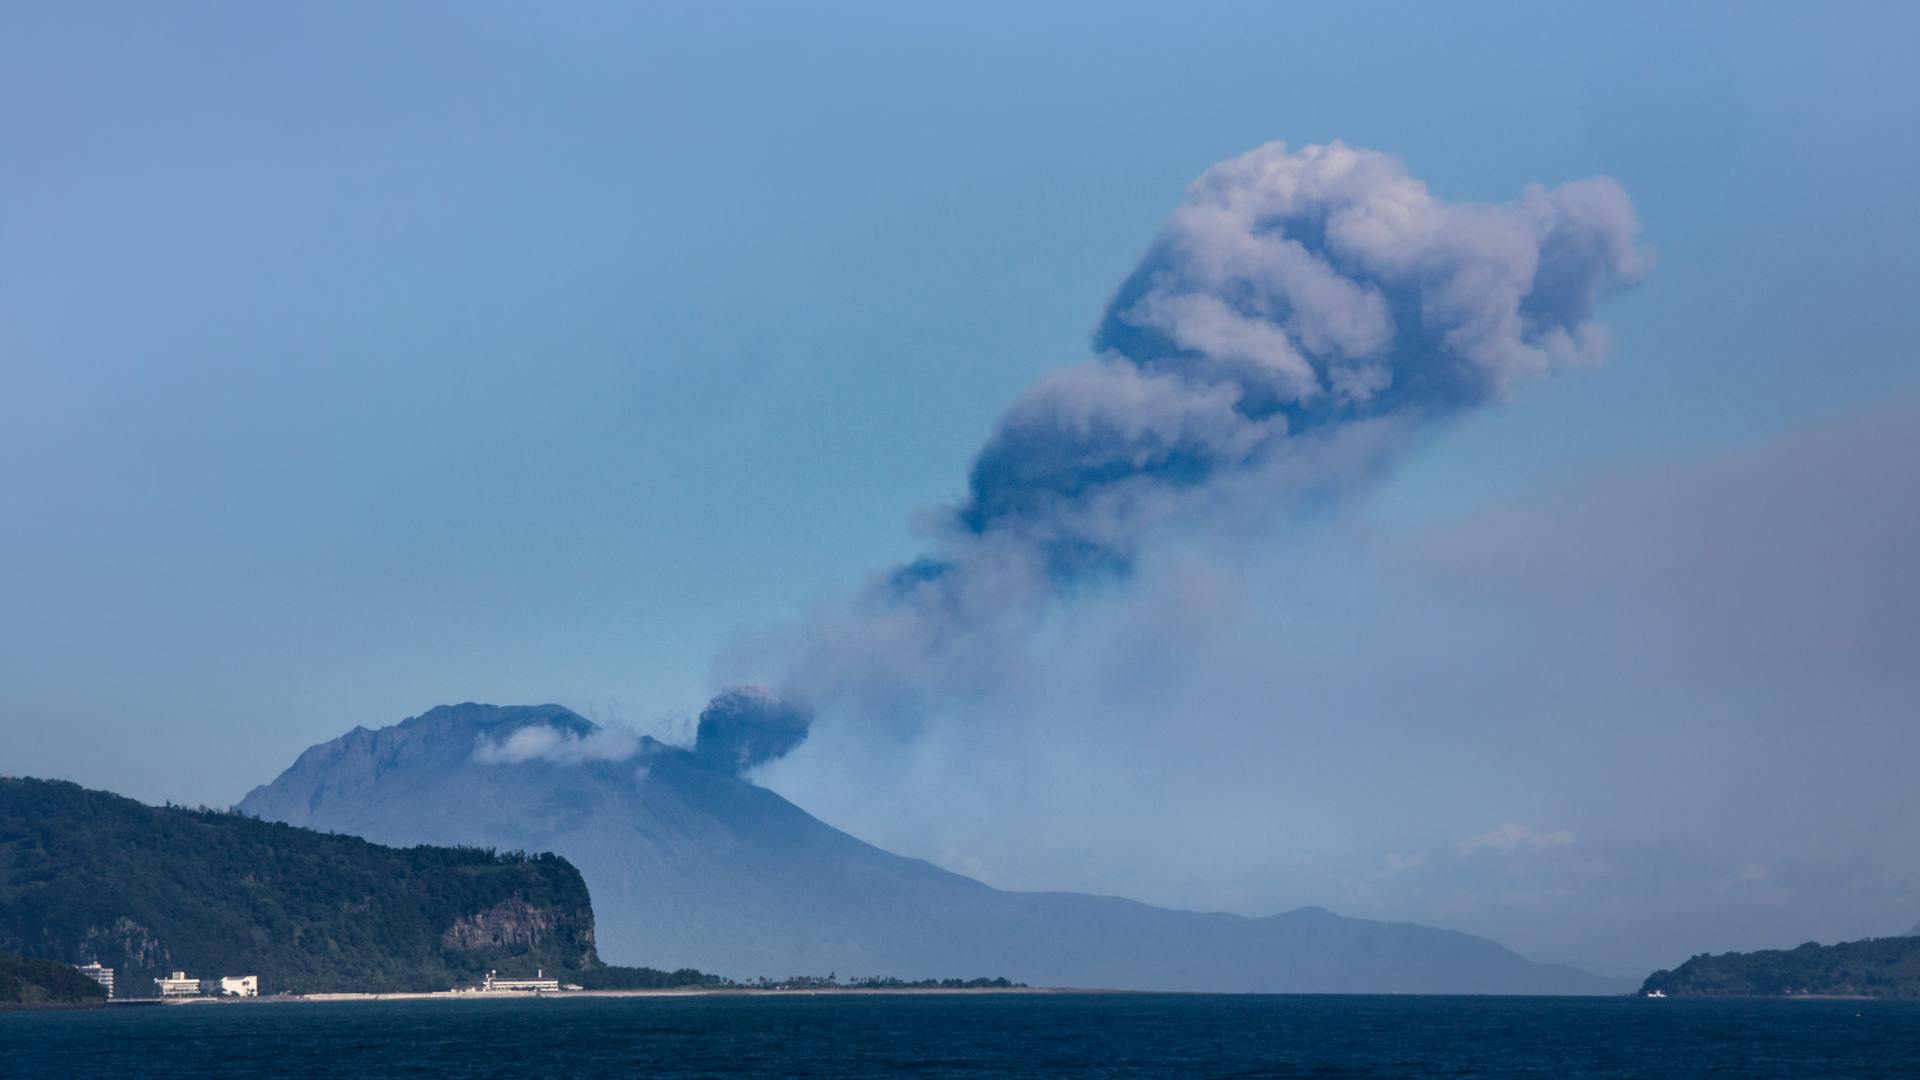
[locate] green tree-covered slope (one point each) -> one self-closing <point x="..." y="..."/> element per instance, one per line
<point x="38" y="983"/>
<point x="87" y="875"/>
<point x="1882" y="967"/>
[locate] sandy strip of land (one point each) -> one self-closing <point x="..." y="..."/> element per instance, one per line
<point x="678" y="992"/>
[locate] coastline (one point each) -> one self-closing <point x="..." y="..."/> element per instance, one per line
<point x="676" y="992"/>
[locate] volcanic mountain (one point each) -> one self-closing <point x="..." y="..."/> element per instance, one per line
<point x="691" y="866"/>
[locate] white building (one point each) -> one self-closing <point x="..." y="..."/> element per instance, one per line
<point x="241" y="986"/>
<point x="538" y="984"/>
<point x="177" y="986"/>
<point x="102" y="975"/>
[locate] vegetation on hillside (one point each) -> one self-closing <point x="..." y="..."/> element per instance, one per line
<point x="614" y="977"/>
<point x="831" y="981"/>
<point x="627" y="978"/>
<point x="890" y="983"/>
<point x="1881" y="967"/>
<point x="87" y="875"/>
<point x="26" y="982"/>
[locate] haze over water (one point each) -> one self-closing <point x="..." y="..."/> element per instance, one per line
<point x="988" y="1035"/>
<point x="1443" y="466"/>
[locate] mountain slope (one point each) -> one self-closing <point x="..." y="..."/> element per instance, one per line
<point x="692" y="866"/>
<point x="87" y="875"/>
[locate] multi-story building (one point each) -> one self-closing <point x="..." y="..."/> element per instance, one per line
<point x="177" y="986"/>
<point x="102" y="975"/>
<point x="240" y="986"/>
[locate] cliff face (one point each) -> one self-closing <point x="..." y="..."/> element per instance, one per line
<point x="133" y="947"/>
<point x="86" y="875"/>
<point x="514" y="925"/>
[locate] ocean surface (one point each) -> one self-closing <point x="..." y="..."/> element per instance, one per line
<point x="985" y="1035"/>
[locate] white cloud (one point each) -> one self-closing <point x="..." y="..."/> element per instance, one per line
<point x="540" y="742"/>
<point x="1743" y="875"/>
<point x="1513" y="836"/>
<point x="1398" y="863"/>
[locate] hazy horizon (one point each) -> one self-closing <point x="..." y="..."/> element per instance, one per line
<point x="358" y="362"/>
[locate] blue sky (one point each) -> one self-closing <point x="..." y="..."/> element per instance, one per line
<point x="355" y="359"/>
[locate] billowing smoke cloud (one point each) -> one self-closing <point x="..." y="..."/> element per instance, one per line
<point x="1299" y="316"/>
<point x="1292" y="293"/>
<point x="745" y="726"/>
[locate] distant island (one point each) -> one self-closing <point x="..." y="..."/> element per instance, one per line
<point x="32" y="984"/>
<point x="1878" y="968"/>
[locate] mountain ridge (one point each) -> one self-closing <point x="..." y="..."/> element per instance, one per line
<point x="692" y="866"/>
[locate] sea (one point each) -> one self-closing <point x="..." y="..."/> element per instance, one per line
<point x="975" y="1035"/>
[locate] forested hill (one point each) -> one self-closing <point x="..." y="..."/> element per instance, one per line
<point x="30" y="983"/>
<point x="1881" y="967"/>
<point x="87" y="875"/>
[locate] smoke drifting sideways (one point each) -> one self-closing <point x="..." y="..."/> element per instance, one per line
<point x="1300" y="316"/>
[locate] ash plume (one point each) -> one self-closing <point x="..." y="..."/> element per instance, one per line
<point x="1301" y="315"/>
<point x="744" y="726"/>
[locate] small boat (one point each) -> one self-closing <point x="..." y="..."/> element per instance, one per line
<point x="1656" y="993"/>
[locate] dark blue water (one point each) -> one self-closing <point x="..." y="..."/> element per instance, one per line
<point x="1000" y="1035"/>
